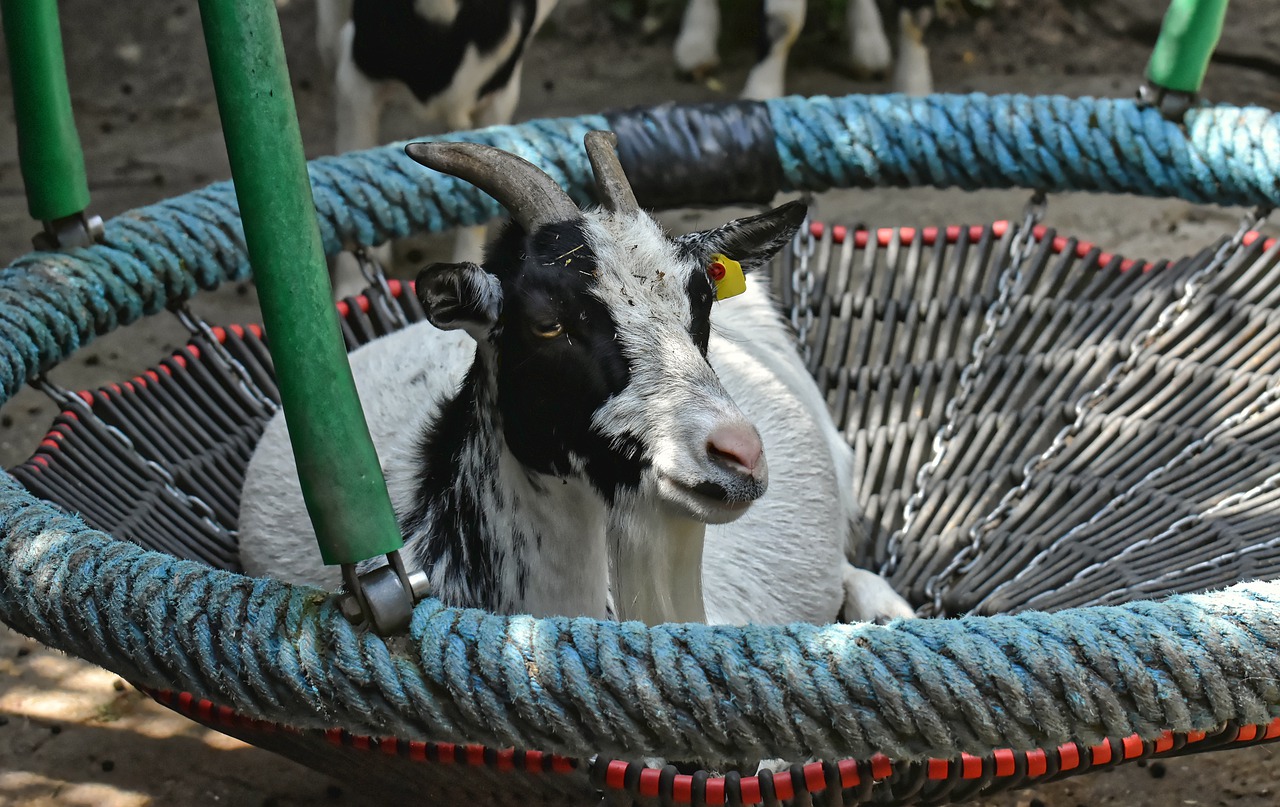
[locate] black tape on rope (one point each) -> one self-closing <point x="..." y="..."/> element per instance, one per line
<point x="692" y="156"/>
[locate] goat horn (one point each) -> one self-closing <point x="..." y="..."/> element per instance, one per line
<point x="531" y="197"/>
<point x="611" y="184"/>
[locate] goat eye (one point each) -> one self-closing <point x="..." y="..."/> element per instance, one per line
<point x="547" y="330"/>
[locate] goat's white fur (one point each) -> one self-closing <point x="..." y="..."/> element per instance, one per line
<point x="785" y="559"/>
<point x="768" y="78"/>
<point x="868" y="46"/>
<point x="695" y="47"/>
<point x="911" y="74"/>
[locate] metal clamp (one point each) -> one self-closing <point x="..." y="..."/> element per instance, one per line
<point x="382" y="597"/>
<point x="1172" y="104"/>
<point x="77" y="230"/>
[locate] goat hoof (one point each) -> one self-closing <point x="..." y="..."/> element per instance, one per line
<point x="868" y="597"/>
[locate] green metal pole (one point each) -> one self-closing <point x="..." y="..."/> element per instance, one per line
<point x="341" y="479"/>
<point x="1188" y="36"/>
<point x="48" y="147"/>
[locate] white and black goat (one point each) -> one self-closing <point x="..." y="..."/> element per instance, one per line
<point x="456" y="62"/>
<point x="696" y="50"/>
<point x="584" y="428"/>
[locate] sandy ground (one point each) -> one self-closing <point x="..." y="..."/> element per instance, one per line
<point x="72" y="734"/>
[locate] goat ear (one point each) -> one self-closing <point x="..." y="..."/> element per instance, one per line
<point x="753" y="241"/>
<point x="460" y="295"/>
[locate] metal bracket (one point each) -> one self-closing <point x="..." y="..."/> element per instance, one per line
<point x="1172" y="104"/>
<point x="382" y="597"/>
<point x="68" y="232"/>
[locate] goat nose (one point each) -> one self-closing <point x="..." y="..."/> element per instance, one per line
<point x="736" y="446"/>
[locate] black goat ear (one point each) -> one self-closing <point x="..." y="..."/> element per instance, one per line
<point x="754" y="240"/>
<point x="460" y="295"/>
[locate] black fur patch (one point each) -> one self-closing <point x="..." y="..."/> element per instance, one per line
<point x="702" y="292"/>
<point x="549" y="388"/>
<point x="449" y="298"/>
<point x="457" y="534"/>
<point x="392" y="42"/>
<point x="772" y="30"/>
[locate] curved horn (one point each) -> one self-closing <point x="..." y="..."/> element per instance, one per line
<point x="611" y="184"/>
<point x="531" y="197"/>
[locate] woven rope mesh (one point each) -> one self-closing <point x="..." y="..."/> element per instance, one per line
<point x="1130" y="507"/>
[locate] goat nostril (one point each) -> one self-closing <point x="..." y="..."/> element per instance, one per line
<point x="736" y="446"/>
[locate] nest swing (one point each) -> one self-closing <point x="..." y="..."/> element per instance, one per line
<point x="1063" y="448"/>
<point x="1114" y="442"/>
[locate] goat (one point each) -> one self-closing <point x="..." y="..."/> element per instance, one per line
<point x="589" y="367"/>
<point x="626" y="423"/>
<point x="782" y="20"/>
<point x="459" y="61"/>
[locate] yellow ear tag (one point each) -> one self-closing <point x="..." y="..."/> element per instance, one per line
<point x="728" y="276"/>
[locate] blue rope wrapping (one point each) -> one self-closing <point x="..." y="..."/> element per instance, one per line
<point x="913" y="689"/>
<point x="577" y="686"/>
<point x="51" y="304"/>
<point x="1229" y="155"/>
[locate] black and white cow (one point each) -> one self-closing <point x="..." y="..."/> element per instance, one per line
<point x="456" y="62"/>
<point x="696" y="49"/>
<point x="459" y="60"/>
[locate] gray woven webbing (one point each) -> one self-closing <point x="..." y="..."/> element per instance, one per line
<point x="893" y="329"/>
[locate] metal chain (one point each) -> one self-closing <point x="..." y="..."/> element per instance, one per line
<point x="996" y="317"/>
<point x="968" y="555"/>
<point x="1265" y="399"/>
<point x="222" y="356"/>
<point x="803" y="281"/>
<point x="69" y="400"/>
<point x="1268" y="484"/>
<point x="381" y="295"/>
<point x="1235" y="553"/>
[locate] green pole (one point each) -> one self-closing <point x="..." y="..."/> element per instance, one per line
<point x="341" y="479"/>
<point x="49" y="150"/>
<point x="1188" y="35"/>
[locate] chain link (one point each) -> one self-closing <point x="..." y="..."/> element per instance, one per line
<point x="1266" y="485"/>
<point x="222" y="356"/>
<point x="803" y="282"/>
<point x="1264" y="400"/>
<point x="996" y="317"/>
<point x="965" y="559"/>
<point x="1235" y="553"/>
<point x="380" y="295"/>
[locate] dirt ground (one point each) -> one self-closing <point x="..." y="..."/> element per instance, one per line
<point x="72" y="734"/>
